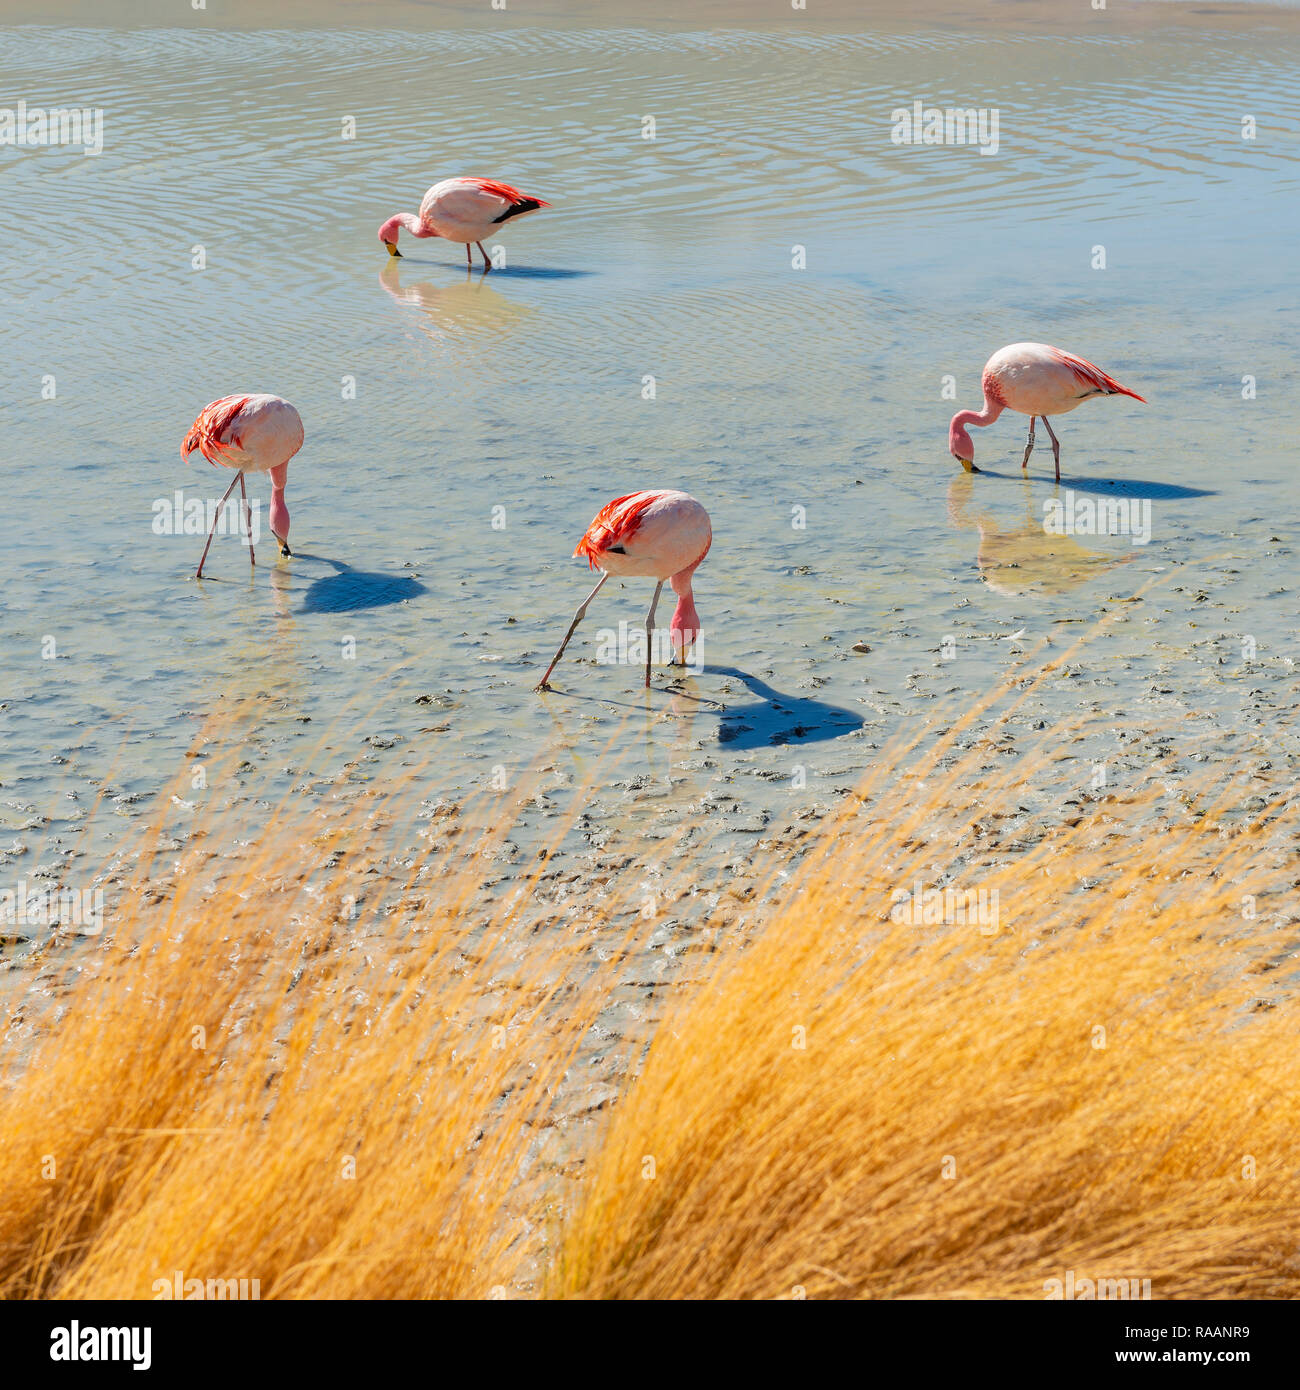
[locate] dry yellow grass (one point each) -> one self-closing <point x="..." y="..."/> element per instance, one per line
<point x="860" y="1108"/>
<point x="844" y="1106"/>
<point x="244" y="1086"/>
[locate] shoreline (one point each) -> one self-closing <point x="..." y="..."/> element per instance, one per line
<point x="820" y="16"/>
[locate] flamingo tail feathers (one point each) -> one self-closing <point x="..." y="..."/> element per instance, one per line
<point x="213" y="421"/>
<point x="1091" y="375"/>
<point x="614" y="524"/>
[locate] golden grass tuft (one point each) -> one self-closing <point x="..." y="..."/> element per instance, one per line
<point x="860" y="1108"/>
<point x="246" y="1082"/>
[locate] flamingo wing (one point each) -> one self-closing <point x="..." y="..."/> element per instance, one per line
<point x="503" y="190"/>
<point x="212" y="434"/>
<point x="475" y="202"/>
<point x="1088" y="374"/>
<point x="614" y="525"/>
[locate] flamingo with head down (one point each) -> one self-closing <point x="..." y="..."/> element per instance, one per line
<point x="256" y="433"/>
<point x="461" y="209"/>
<point x="1037" y="380"/>
<point x="662" y="535"/>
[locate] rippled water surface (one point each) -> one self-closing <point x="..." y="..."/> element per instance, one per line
<point x="797" y="288"/>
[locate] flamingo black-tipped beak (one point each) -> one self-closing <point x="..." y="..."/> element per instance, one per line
<point x="392" y="250"/>
<point x="967" y="464"/>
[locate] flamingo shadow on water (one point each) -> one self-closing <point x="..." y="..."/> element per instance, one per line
<point x="350" y="590"/>
<point x="776" y="718"/>
<point x="1138" y="488"/>
<point x="540" y="272"/>
<point x="508" y="272"/>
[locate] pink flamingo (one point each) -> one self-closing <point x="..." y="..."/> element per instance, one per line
<point x="663" y="535"/>
<point x="461" y="209"/>
<point x="255" y="433"/>
<point x="1036" y="380"/>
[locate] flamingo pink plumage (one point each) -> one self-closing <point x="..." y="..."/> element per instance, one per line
<point x="256" y="433"/>
<point x="662" y="535"/>
<point x="461" y="209"/>
<point x="1036" y="380"/>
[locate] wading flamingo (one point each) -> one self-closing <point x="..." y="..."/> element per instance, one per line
<point x="461" y="209"/>
<point x="255" y="433"/>
<point x="1037" y="380"/>
<point x="663" y="535"/>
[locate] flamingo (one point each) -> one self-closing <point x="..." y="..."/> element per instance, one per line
<point x="660" y="534"/>
<point x="1037" y="380"/>
<point x="256" y="433"/>
<point x="461" y="209"/>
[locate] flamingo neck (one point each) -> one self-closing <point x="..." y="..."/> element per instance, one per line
<point x="279" y="510"/>
<point x="407" y="221"/>
<point x="685" y="626"/>
<point x="959" y="441"/>
<point x="980" y="418"/>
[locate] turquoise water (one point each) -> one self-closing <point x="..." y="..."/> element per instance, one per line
<point x="797" y="286"/>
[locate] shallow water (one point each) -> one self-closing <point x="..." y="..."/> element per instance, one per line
<point x="410" y="630"/>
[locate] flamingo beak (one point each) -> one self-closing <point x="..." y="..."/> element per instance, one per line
<point x="392" y="250"/>
<point x="284" y="547"/>
<point x="967" y="464"/>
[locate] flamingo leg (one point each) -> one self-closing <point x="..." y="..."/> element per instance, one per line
<point x="248" y="519"/>
<point x="198" y="574"/>
<point x="577" y="618"/>
<point x="1029" y="448"/>
<point x="469" y="256"/>
<point x="487" y="261"/>
<point x="649" y="630"/>
<point x="1056" y="447"/>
